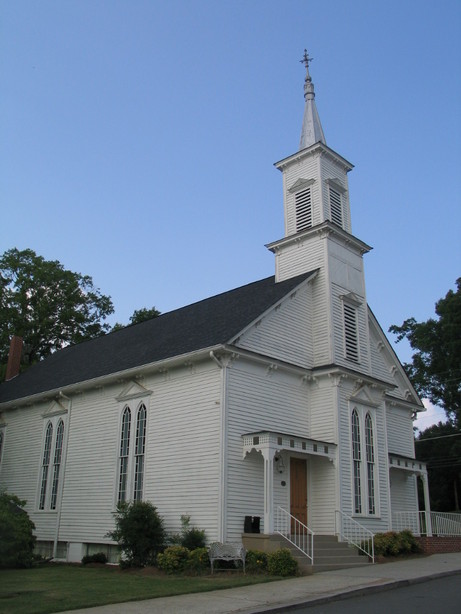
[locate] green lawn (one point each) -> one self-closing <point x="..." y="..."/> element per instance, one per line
<point x="54" y="588"/>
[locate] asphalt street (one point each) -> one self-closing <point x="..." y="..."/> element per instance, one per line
<point x="437" y="596"/>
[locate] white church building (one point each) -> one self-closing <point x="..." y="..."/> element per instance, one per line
<point x="281" y="398"/>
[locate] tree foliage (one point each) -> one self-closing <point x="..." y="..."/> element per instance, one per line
<point x="440" y="447"/>
<point x="47" y="305"/>
<point x="435" y="370"/>
<point x="16" y="533"/>
<point x="139" y="315"/>
<point x="139" y="532"/>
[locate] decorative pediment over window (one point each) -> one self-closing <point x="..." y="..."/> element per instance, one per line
<point x="301" y="184"/>
<point x="351" y="298"/>
<point x="57" y="407"/>
<point x="364" y="396"/>
<point x="133" y="390"/>
<point x="336" y="185"/>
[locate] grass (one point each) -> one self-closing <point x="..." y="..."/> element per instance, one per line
<point x="55" y="588"/>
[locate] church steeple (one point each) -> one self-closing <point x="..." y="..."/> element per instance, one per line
<point x="311" y="132"/>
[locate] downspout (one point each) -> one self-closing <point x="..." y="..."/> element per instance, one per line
<point x="63" y="475"/>
<point x="222" y="503"/>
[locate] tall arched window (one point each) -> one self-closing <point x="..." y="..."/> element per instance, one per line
<point x="1" y="443"/>
<point x="370" y="455"/>
<point x="140" y="445"/>
<point x="57" y="463"/>
<point x="45" y="464"/>
<point x="357" y="461"/>
<point x="124" y="454"/>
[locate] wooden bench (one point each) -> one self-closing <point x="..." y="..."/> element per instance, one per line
<point x="226" y="552"/>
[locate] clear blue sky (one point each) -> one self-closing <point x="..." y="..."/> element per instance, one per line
<point x="138" y="139"/>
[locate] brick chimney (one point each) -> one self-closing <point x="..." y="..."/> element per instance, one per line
<point x="14" y="358"/>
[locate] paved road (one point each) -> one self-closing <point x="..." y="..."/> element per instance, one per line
<point x="440" y="596"/>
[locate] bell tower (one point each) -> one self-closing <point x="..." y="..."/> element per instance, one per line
<point x="318" y="236"/>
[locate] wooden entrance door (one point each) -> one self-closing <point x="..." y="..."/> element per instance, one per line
<point x="298" y="489"/>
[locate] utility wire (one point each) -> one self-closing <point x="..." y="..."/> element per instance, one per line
<point x="439" y="437"/>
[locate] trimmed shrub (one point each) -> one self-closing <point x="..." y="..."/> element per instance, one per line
<point x="193" y="538"/>
<point x="16" y="533"/>
<point x="282" y="563"/>
<point x="97" y="557"/>
<point x="189" y="537"/>
<point x="175" y="559"/>
<point x="139" y="532"/>
<point x="199" y="560"/>
<point x="256" y="561"/>
<point x="395" y="544"/>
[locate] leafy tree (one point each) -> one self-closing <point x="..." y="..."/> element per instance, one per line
<point x="435" y="370"/>
<point x="47" y="305"/>
<point x="440" y="447"/>
<point x="139" y="315"/>
<point x="139" y="532"/>
<point x="16" y="533"/>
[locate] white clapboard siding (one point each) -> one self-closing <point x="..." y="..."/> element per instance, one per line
<point x="258" y="401"/>
<point x="403" y="491"/>
<point x="322" y="485"/>
<point x="181" y="457"/>
<point x="381" y="366"/>
<point x="322" y="417"/>
<point x="400" y="431"/>
<point x="285" y="332"/>
<point x="88" y="495"/>
<point x="20" y="471"/>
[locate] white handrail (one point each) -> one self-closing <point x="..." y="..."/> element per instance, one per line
<point x="443" y="524"/>
<point x="354" y="533"/>
<point x="295" y="532"/>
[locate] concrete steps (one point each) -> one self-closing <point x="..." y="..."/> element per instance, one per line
<point x="329" y="554"/>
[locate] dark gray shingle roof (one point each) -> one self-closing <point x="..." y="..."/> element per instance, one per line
<point x="210" y="322"/>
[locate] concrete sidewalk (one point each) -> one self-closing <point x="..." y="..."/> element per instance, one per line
<point x="283" y="595"/>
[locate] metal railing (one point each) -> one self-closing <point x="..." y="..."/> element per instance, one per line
<point x="443" y="524"/>
<point x="295" y="532"/>
<point x="352" y="532"/>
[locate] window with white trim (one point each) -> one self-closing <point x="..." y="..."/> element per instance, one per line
<point x="140" y="447"/>
<point x="51" y="464"/>
<point x="57" y="463"/>
<point x="336" y="207"/>
<point x="357" y="462"/>
<point x="370" y="455"/>
<point x="351" y="333"/>
<point x="45" y="465"/>
<point x="131" y="455"/>
<point x="364" y="473"/>
<point x="124" y="454"/>
<point x="2" y="439"/>
<point x="303" y="207"/>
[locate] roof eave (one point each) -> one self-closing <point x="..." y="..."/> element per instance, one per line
<point x="111" y="378"/>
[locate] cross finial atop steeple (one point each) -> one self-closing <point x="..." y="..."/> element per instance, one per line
<point x="312" y="129"/>
<point x="306" y="59"/>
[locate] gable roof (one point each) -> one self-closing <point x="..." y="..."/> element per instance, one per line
<point x="208" y="323"/>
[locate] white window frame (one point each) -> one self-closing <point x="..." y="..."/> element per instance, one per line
<point x="131" y="452"/>
<point x="364" y="470"/>
<point x="51" y="461"/>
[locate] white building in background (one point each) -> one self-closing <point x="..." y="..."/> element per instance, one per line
<point x="283" y="393"/>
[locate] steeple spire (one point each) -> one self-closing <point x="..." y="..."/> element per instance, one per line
<point x="312" y="128"/>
